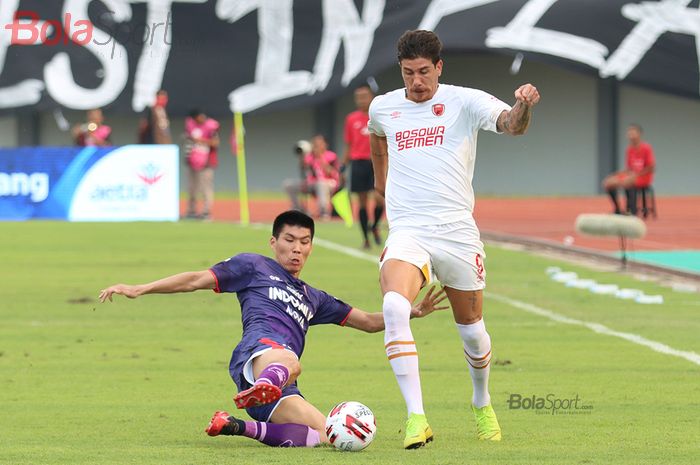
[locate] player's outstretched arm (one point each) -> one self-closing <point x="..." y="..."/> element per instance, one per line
<point x="516" y="121"/>
<point x="182" y="282"/>
<point x="374" y="322"/>
<point x="380" y="161"/>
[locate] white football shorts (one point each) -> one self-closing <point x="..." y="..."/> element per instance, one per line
<point x="451" y="253"/>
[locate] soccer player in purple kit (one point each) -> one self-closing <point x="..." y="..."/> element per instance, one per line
<point x="277" y="308"/>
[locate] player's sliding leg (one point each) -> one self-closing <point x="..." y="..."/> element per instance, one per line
<point x="267" y="388"/>
<point x="290" y="421"/>
<point x="398" y="280"/>
<point x="271" y="434"/>
<point x="467" y="308"/>
<point x="273" y="370"/>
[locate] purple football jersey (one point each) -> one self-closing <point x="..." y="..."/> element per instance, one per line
<point x="275" y="304"/>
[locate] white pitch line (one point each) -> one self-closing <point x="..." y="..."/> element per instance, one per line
<point x="598" y="328"/>
<point x="346" y="250"/>
<point x="535" y="310"/>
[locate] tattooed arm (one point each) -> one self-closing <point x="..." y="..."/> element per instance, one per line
<point x="516" y="121"/>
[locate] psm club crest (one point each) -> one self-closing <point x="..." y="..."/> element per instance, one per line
<point x="438" y="109"/>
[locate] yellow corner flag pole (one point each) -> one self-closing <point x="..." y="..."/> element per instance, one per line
<point x="242" y="178"/>
<point x="342" y="205"/>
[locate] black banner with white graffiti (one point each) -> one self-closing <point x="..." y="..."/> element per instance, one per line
<point x="250" y="55"/>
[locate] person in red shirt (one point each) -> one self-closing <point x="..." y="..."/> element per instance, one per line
<point x="638" y="172"/>
<point x="357" y="154"/>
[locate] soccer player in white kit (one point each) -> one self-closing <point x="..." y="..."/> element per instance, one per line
<point x="423" y="142"/>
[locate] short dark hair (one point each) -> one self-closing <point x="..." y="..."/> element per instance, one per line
<point x="292" y="218"/>
<point x="419" y="44"/>
<point x="637" y="127"/>
<point x="195" y="112"/>
<point x="365" y="86"/>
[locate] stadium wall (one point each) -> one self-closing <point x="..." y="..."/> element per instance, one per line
<point x="557" y="157"/>
<point x="8" y="131"/>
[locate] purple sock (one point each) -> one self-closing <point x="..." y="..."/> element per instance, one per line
<point x="275" y="374"/>
<point x="285" y="435"/>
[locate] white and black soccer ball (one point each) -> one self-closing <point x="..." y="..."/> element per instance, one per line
<point x="350" y="426"/>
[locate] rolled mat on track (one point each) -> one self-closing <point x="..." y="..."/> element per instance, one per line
<point x="596" y="224"/>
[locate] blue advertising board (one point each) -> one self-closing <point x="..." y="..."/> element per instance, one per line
<point x="129" y="183"/>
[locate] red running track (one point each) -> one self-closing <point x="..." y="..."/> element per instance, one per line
<point x="676" y="228"/>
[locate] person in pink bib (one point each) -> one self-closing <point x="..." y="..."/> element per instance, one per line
<point x="321" y="177"/>
<point x="202" y="135"/>
<point x="92" y="132"/>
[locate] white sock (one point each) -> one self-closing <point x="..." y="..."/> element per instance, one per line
<point x="401" y="349"/>
<point x="477" y="351"/>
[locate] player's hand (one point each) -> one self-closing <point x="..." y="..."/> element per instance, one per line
<point x="527" y="94"/>
<point x="122" y="289"/>
<point x="430" y="303"/>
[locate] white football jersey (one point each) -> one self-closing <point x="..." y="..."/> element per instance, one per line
<point x="432" y="150"/>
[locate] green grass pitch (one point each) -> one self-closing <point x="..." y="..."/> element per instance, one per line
<point x="135" y="382"/>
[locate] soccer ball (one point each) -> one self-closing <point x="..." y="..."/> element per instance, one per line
<point x="350" y="426"/>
